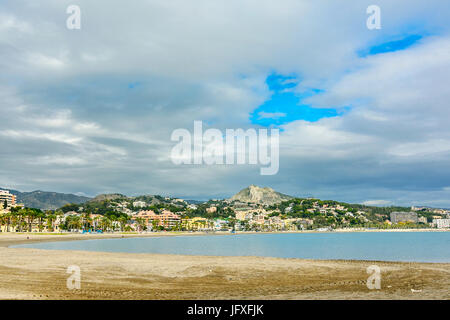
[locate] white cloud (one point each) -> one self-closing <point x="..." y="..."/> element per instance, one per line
<point x="377" y="202"/>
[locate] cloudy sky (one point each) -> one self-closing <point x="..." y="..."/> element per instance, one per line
<point x="364" y="114"/>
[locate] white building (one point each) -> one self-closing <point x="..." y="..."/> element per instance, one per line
<point x="441" y="223"/>
<point x="288" y="209"/>
<point x="139" y="204"/>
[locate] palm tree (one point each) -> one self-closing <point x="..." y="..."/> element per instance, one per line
<point x="10" y="218"/>
<point x="177" y="226"/>
<point x="123" y="222"/>
<point x="154" y="225"/>
<point x="8" y="221"/>
<point x="86" y="220"/>
<point x="30" y="215"/>
<point x="73" y="223"/>
<point x="40" y="217"/>
<point x="2" y="221"/>
<point x="141" y="224"/>
<point x="184" y="224"/>
<point x="96" y="223"/>
<point x="114" y="222"/>
<point x="18" y="220"/>
<point x="105" y="223"/>
<point x="13" y="222"/>
<point x="50" y="220"/>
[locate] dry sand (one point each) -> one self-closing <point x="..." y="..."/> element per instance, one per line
<point x="42" y="274"/>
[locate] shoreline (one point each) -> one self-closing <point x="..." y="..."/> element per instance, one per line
<point x="12" y="239"/>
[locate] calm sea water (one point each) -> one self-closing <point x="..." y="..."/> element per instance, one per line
<point x="386" y="246"/>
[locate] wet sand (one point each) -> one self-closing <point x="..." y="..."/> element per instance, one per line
<point x="42" y="274"/>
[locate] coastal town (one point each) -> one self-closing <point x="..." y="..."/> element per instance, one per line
<point x="145" y="270"/>
<point x="253" y="209"/>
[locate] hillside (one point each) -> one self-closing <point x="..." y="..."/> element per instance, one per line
<point x="108" y="197"/>
<point x="255" y="194"/>
<point x="45" y="200"/>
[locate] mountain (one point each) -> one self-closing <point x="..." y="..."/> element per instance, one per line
<point x="255" y="194"/>
<point x="108" y="196"/>
<point x="46" y="200"/>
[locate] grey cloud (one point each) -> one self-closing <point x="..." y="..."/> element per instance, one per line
<point x="71" y="123"/>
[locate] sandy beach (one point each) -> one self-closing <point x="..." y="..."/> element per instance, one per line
<point x="42" y="274"/>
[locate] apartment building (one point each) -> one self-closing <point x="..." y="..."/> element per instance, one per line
<point x="10" y="199"/>
<point x="166" y="219"/>
<point x="169" y="219"/>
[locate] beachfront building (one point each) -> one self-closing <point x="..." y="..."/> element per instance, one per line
<point x="169" y="219"/>
<point x="166" y="219"/>
<point x="196" y="224"/>
<point x="441" y="223"/>
<point x="397" y="217"/>
<point x="8" y="197"/>
<point x="148" y="217"/>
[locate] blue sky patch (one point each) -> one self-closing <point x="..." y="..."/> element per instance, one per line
<point x="390" y="46"/>
<point x="285" y="105"/>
